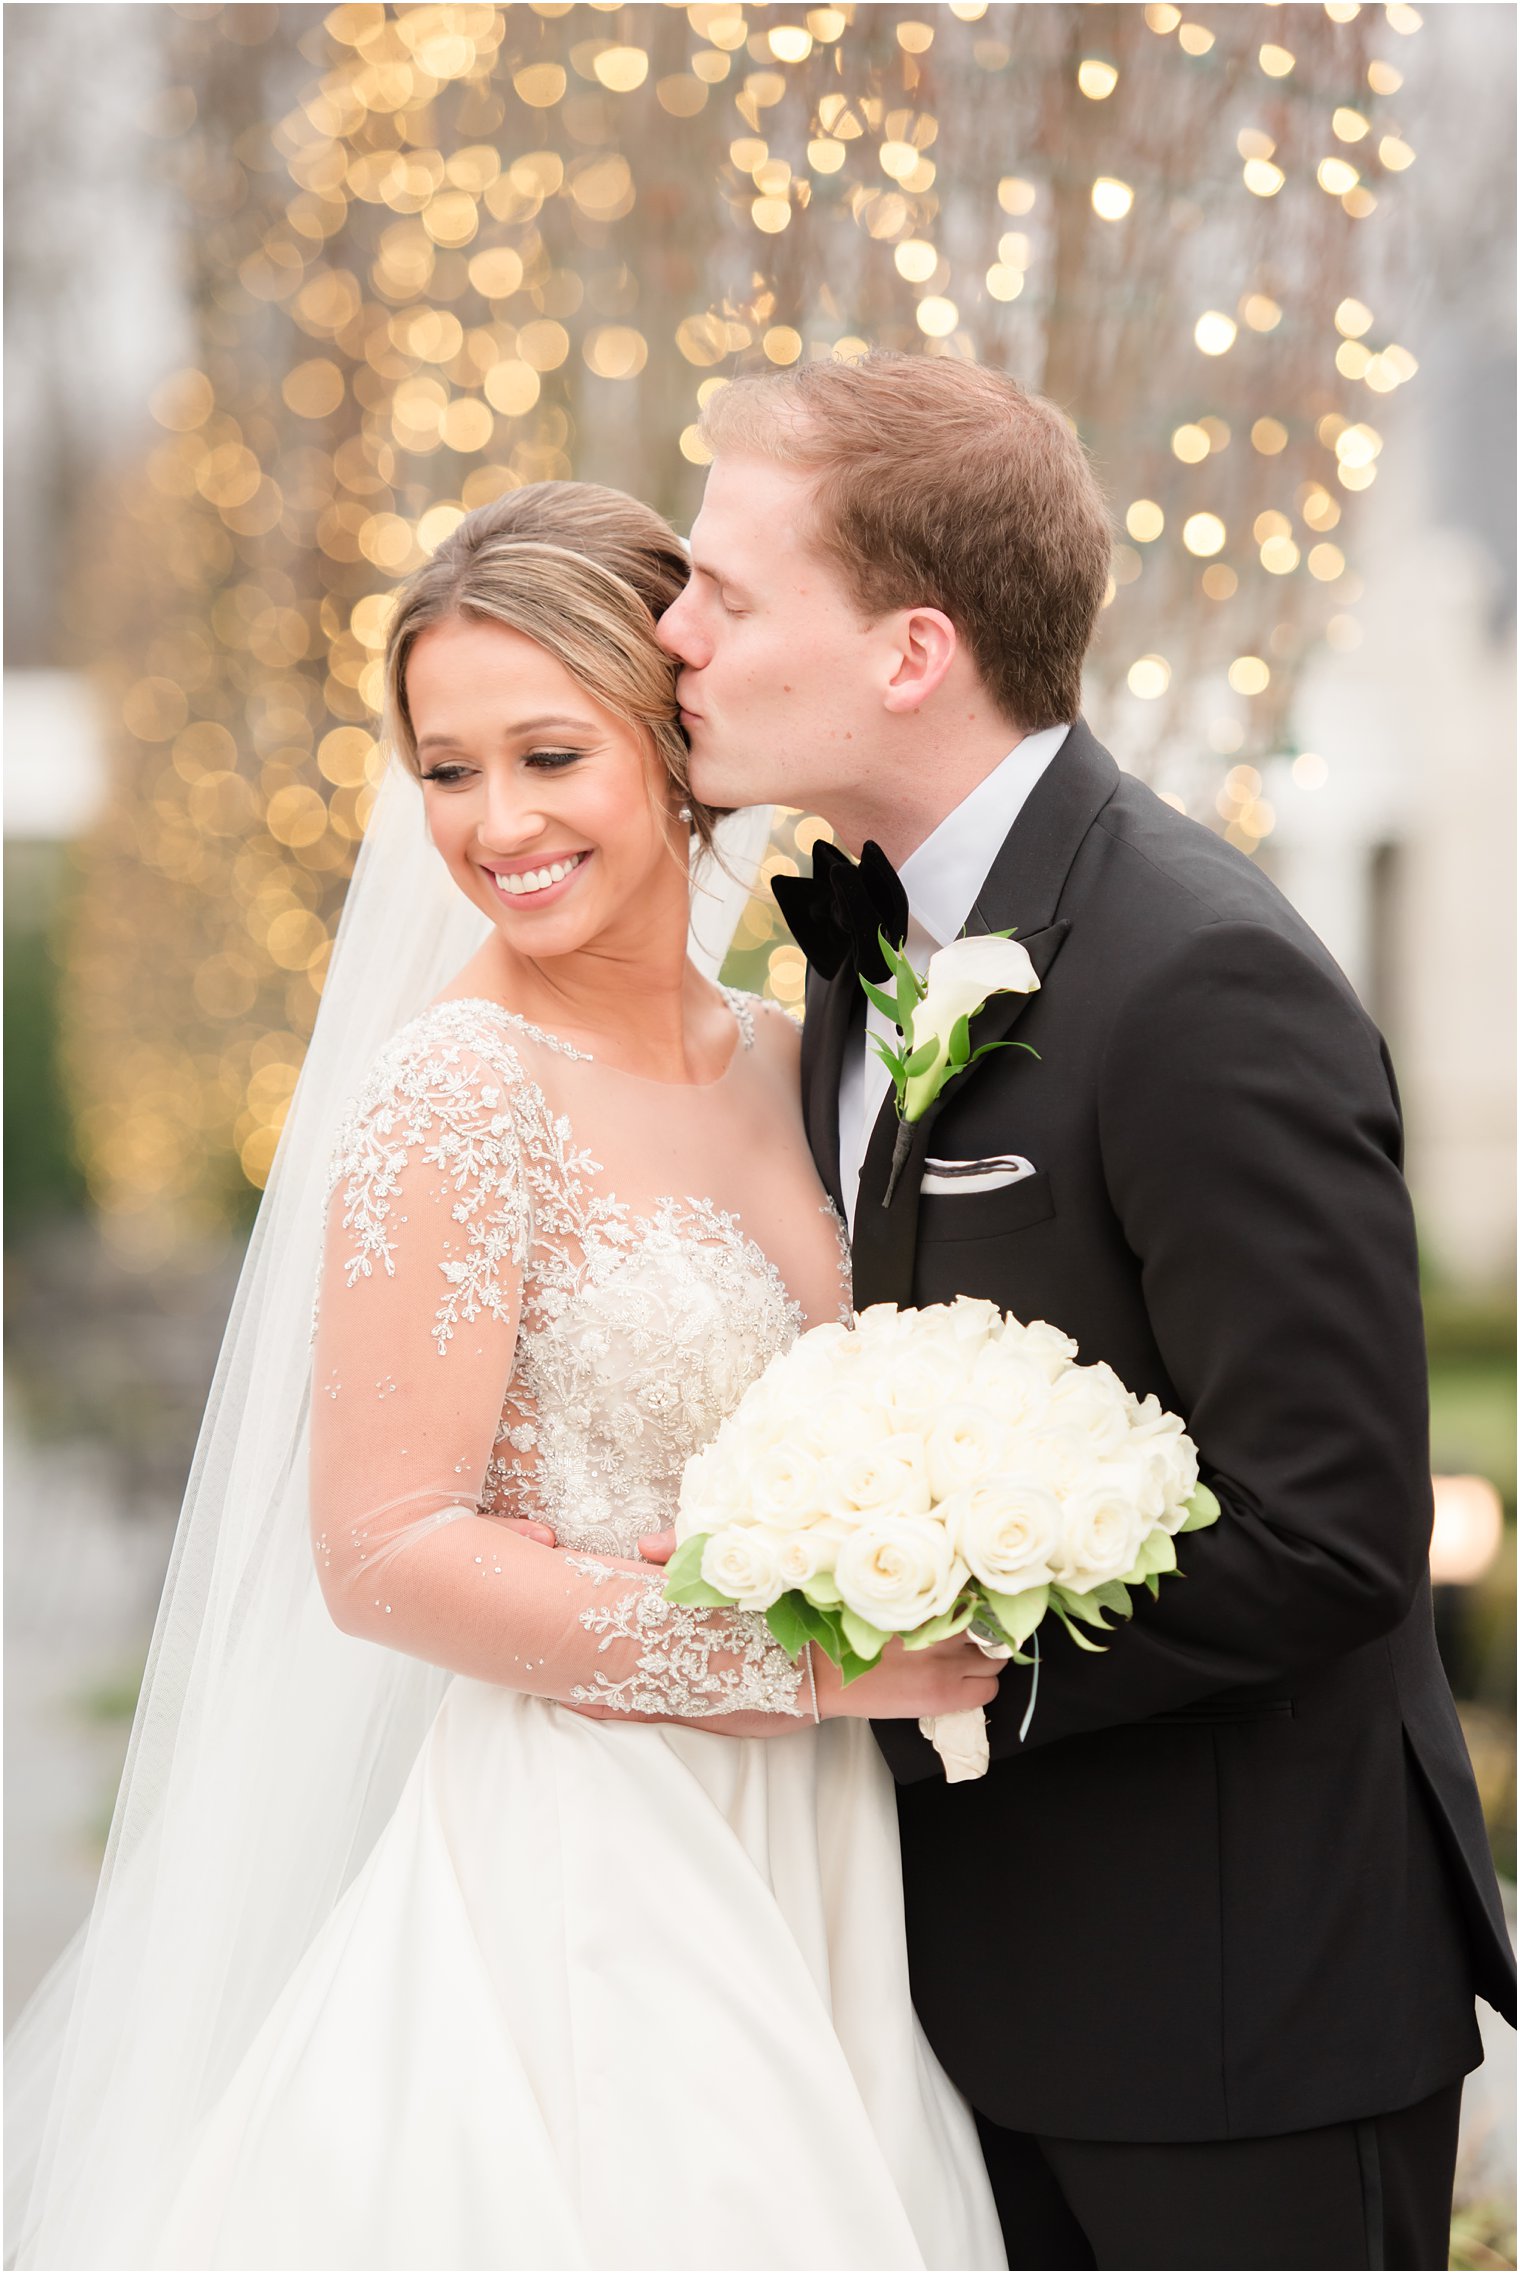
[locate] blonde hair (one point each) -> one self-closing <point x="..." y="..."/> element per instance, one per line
<point x="945" y="484"/>
<point x="584" y="572"/>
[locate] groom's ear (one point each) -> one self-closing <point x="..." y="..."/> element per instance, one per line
<point x="926" y="642"/>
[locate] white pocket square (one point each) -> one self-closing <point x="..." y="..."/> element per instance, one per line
<point x="989" y="1175"/>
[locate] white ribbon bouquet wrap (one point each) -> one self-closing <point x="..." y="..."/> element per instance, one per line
<point x="927" y="1471"/>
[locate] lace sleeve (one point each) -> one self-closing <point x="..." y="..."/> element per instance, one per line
<point x="438" y="1173"/>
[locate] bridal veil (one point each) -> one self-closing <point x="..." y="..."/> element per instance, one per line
<point x="268" y="1748"/>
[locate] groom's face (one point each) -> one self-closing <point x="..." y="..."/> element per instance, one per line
<point x="781" y="678"/>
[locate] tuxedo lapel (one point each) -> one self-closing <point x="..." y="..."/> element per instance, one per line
<point x="886" y="1235"/>
<point x="1021" y="893"/>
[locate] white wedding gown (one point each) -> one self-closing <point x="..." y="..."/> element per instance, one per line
<point x="608" y="1992"/>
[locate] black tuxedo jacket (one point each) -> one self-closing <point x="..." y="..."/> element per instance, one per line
<point x="1236" y="1881"/>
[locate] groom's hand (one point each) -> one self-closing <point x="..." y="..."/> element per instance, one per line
<point x="904" y="1685"/>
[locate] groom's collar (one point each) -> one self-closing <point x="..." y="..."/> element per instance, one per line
<point x="940" y="876"/>
<point x="1022" y="889"/>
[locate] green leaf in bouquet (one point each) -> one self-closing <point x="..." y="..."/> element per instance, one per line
<point x="787" y="1624"/>
<point x="1153" y="1584"/>
<point x="1113" y="1596"/>
<point x="829" y="1638"/>
<point x="987" y="1627"/>
<point x="1084" y="1606"/>
<point x="1077" y="1636"/>
<point x="851" y="1668"/>
<point x="823" y="1590"/>
<point x="866" y="1641"/>
<point x="1018" y="1615"/>
<point x="1158" y="1552"/>
<point x="939" y="1630"/>
<point x="1202" y="1510"/>
<point x="683" y="1576"/>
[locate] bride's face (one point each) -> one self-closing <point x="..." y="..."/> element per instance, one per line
<point x="553" y="815"/>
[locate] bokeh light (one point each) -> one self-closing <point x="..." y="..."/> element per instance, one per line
<point x="444" y="251"/>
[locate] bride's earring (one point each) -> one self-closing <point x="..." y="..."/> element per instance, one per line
<point x="683" y="813"/>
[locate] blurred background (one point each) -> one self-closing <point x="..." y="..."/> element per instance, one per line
<point x="289" y="290"/>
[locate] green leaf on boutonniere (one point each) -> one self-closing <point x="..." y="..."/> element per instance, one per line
<point x="920" y="1062"/>
<point x="960" y="1045"/>
<point x="910" y="987"/>
<point x="886" y="1004"/>
<point x="983" y="1048"/>
<point x="892" y="1059"/>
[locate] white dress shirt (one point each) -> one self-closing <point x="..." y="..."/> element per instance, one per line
<point x="942" y="879"/>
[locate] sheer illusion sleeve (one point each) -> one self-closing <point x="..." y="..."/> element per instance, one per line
<point x="438" y="1173"/>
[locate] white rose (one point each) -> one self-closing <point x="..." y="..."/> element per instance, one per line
<point x="1014" y="1386"/>
<point x="744" y="1564"/>
<point x="917" y="1383"/>
<point x="966" y="1444"/>
<point x="816" y="1361"/>
<point x="1095" y="1401"/>
<point x="1008" y="1530"/>
<point x="972" y="1320"/>
<point x="800" y="1556"/>
<point x="892" y="1474"/>
<point x="884" y="1324"/>
<point x="1042" y="1344"/>
<point x="1060" y="1459"/>
<point x="786" y="1488"/>
<point x="712" y="1493"/>
<point x="1171" y="1457"/>
<point x="847" y="1423"/>
<point x="1102" y="1530"/>
<point x="899" y="1572"/>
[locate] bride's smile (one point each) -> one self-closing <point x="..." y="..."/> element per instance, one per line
<point x="552" y="813"/>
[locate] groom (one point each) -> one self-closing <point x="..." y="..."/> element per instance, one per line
<point x="1202" y="1949"/>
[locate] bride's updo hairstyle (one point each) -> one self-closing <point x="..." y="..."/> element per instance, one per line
<point x="584" y="572"/>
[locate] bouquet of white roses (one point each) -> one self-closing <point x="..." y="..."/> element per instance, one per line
<point x="928" y="1471"/>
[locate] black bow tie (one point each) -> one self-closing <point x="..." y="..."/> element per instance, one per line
<point x="835" y="914"/>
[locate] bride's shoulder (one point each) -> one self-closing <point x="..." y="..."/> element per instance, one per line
<point x="455" y="1031"/>
<point x="764" y="1025"/>
<point x="453" y="1062"/>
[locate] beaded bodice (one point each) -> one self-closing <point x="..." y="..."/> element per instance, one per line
<point x="639" y="1321"/>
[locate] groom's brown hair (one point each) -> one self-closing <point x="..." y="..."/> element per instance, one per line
<point x="942" y="483"/>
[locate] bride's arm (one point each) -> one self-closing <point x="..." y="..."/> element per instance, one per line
<point x="427" y="1240"/>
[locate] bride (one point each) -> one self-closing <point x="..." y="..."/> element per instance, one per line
<point x="468" y="1904"/>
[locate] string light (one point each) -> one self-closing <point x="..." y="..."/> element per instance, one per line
<point x="486" y="246"/>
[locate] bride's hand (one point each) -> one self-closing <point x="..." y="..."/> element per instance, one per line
<point x="906" y="1685"/>
<point x="540" y="1534"/>
<point x="658" y="1547"/>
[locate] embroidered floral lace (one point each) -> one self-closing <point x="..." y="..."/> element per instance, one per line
<point x="511" y="1326"/>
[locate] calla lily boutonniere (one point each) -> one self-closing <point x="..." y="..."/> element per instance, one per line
<point x="933" y="1014"/>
